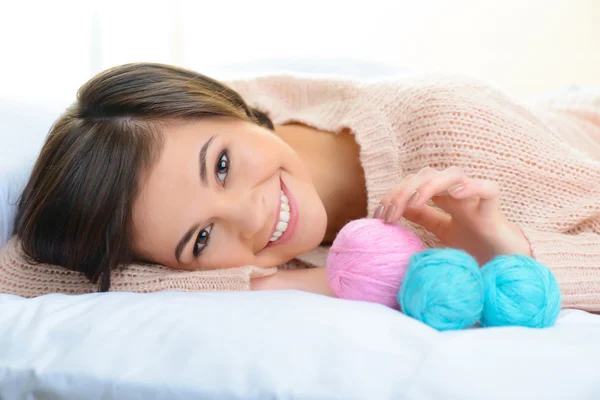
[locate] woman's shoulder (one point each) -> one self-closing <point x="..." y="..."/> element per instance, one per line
<point x="295" y="88"/>
<point x="412" y="89"/>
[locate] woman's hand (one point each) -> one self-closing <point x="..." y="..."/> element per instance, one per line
<point x="472" y="220"/>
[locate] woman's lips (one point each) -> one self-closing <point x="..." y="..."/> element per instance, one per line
<point x="292" y="223"/>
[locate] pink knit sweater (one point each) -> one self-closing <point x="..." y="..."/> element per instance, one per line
<point x="546" y="159"/>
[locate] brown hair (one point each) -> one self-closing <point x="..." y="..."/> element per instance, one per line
<point x="76" y="208"/>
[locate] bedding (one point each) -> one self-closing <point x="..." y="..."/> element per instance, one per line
<point x="250" y="345"/>
<point x="278" y="345"/>
<point x="23" y="127"/>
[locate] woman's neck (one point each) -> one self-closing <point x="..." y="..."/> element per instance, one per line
<point x="335" y="169"/>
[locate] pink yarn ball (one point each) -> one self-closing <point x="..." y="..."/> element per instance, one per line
<point x="368" y="259"/>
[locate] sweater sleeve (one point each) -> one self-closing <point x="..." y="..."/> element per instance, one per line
<point x="575" y="262"/>
<point x="154" y="278"/>
<point x="19" y="277"/>
<point x="574" y="258"/>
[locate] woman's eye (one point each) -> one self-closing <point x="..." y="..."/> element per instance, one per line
<point x="222" y="168"/>
<point x="202" y="240"/>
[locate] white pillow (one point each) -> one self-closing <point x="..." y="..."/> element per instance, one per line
<point x="12" y="181"/>
<point x="267" y="345"/>
<point x="23" y="128"/>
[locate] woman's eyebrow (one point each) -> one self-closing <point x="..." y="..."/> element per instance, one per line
<point x="203" y="152"/>
<point x="184" y="241"/>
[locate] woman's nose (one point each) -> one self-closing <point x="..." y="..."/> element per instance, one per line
<point x="246" y="212"/>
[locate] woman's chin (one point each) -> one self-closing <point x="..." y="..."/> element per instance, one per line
<point x="304" y="242"/>
<point x="314" y="238"/>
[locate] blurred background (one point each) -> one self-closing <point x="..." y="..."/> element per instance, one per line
<point x="49" y="48"/>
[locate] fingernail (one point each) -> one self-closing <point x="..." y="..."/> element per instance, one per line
<point x="390" y="213"/>
<point x="412" y="201"/>
<point x="378" y="211"/>
<point x="456" y="189"/>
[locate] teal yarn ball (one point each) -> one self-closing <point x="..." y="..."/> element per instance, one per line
<point x="443" y="288"/>
<point x="519" y="291"/>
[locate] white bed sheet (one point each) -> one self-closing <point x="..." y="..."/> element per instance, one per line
<point x="278" y="345"/>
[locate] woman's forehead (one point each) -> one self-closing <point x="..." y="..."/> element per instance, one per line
<point x="165" y="193"/>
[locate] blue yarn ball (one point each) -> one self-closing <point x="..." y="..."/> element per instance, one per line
<point x="442" y="288"/>
<point x="519" y="291"/>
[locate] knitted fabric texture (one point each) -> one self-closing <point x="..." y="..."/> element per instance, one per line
<point x="19" y="277"/>
<point x="545" y="156"/>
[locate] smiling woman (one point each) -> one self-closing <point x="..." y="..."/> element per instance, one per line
<point x="160" y="164"/>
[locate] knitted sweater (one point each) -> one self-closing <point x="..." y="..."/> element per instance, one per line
<point x="546" y="159"/>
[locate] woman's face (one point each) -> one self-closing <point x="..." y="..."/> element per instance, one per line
<point x="225" y="193"/>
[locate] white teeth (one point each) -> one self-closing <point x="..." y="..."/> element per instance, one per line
<point x="284" y="218"/>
